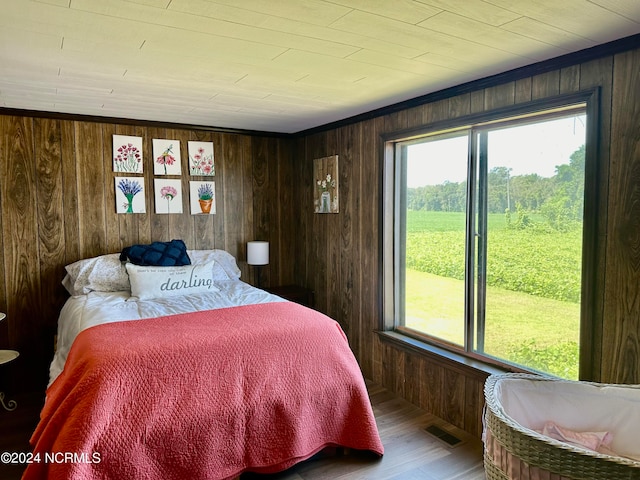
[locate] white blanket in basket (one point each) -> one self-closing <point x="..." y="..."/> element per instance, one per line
<point x="611" y="411"/>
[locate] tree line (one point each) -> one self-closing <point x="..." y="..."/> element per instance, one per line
<point x="559" y="199"/>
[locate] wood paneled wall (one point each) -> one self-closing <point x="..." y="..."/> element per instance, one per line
<point x="57" y="205"/>
<point x="339" y="254"/>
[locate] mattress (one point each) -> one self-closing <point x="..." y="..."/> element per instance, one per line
<point x="83" y="311"/>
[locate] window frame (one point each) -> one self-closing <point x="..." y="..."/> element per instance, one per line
<point x="590" y="317"/>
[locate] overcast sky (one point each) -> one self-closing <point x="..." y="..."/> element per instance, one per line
<point x="524" y="149"/>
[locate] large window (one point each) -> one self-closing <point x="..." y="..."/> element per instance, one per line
<point x="488" y="238"/>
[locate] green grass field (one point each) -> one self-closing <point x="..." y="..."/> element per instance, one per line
<point x="533" y="312"/>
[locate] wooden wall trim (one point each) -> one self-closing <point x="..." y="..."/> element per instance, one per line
<point x="493" y="113"/>
<point x="568" y="61"/>
<point x="441" y="357"/>
<point x="17" y="112"/>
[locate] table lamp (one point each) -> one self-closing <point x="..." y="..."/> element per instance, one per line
<point x="258" y="256"/>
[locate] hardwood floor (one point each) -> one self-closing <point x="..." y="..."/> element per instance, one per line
<point x="410" y="452"/>
<point x="16" y="428"/>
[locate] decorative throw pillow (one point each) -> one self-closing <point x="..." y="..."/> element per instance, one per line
<point x="155" y="282"/>
<point x="164" y="254"/>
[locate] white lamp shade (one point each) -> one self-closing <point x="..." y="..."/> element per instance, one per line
<point x="258" y="253"/>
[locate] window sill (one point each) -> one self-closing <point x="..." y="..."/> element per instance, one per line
<point x="451" y="359"/>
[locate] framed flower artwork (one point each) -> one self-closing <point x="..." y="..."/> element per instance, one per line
<point x="201" y="159"/>
<point x="166" y="157"/>
<point x="203" y="198"/>
<point x="325" y="182"/>
<point x="127" y="154"/>
<point x="130" y="196"/>
<point x="168" y="195"/>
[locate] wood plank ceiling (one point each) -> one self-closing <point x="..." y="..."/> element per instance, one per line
<point x="278" y="65"/>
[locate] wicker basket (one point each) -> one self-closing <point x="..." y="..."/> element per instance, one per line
<point x="513" y="451"/>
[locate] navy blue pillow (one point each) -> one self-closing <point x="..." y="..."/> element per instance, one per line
<point x="158" y="254"/>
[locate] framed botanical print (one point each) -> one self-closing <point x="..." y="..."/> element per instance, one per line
<point x="201" y="159"/>
<point x="203" y="198"/>
<point x="168" y="195"/>
<point x="166" y="157"/>
<point x="130" y="196"/>
<point x="325" y="182"/>
<point x="127" y="154"/>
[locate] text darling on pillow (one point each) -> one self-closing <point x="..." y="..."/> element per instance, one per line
<point x="155" y="282"/>
<point x="181" y="284"/>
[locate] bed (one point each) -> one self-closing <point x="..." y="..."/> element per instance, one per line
<point x="206" y="380"/>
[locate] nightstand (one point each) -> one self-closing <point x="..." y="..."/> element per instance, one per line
<point x="294" y="293"/>
<point x="5" y="357"/>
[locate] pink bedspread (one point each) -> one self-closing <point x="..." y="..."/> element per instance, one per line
<point x="206" y="395"/>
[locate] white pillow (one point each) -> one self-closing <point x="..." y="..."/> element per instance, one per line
<point x="225" y="266"/>
<point x="155" y="282"/>
<point x="105" y="273"/>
